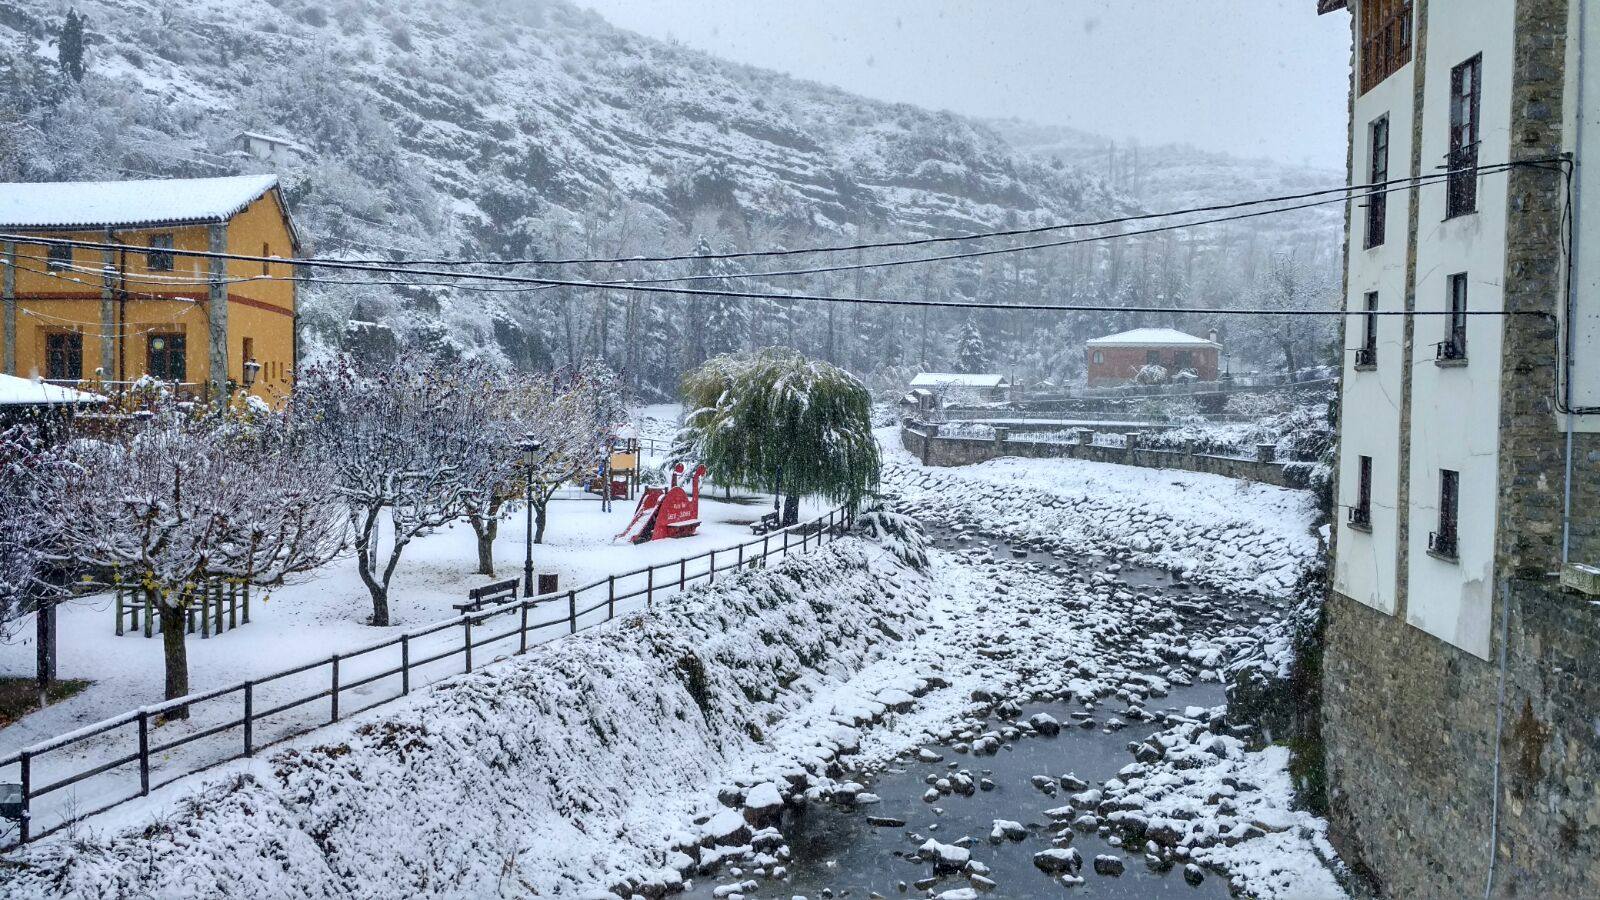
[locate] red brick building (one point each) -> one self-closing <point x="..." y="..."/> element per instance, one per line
<point x="1118" y="358"/>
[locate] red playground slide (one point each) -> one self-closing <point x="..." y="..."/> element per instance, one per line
<point x="666" y="512"/>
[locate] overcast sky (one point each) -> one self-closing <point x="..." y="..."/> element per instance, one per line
<point x="1250" y="77"/>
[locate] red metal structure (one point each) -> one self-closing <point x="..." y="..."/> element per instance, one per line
<point x="666" y="512"/>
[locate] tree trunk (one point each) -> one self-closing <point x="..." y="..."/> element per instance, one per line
<point x="539" y="508"/>
<point x="177" y="656"/>
<point x="366" y="555"/>
<point x="486" y="532"/>
<point x="791" y="510"/>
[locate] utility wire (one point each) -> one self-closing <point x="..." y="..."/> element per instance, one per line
<point x="972" y="236"/>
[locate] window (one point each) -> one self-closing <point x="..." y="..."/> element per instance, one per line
<point x="1377" y="174"/>
<point x="63" y="356"/>
<point x="1367" y="353"/>
<point x="165" y="359"/>
<point x="159" y="259"/>
<point x="1152" y="357"/>
<point x="1466" y="89"/>
<point x="1183" y="360"/>
<point x="1442" y="543"/>
<point x="1453" y="349"/>
<point x="1385" y="39"/>
<point x="1099" y="357"/>
<point x="1361" y="513"/>
<point x="264" y="263"/>
<point x="59" y="257"/>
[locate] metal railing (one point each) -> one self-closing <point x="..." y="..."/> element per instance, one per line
<point x="407" y="655"/>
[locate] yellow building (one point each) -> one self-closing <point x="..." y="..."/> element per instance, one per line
<point x="141" y="308"/>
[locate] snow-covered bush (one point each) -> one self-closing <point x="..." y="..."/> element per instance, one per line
<point x="1150" y="374"/>
<point x="899" y="534"/>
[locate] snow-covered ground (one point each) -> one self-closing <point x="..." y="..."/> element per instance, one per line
<point x="309" y="620"/>
<point x="1216" y="530"/>
<point x="666" y="746"/>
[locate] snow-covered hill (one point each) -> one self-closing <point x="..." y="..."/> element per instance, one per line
<point x="533" y="128"/>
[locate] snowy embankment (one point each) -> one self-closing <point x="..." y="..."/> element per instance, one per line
<point x="550" y="773"/>
<point x="1217" y="531"/>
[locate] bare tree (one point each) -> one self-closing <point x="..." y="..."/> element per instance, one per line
<point x="187" y="500"/>
<point x="408" y="439"/>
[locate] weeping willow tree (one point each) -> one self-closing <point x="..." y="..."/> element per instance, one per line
<point x="775" y="420"/>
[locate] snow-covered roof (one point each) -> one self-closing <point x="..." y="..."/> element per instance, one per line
<point x="99" y="204"/>
<point x="272" y="139"/>
<point x="16" y="391"/>
<point x="958" y="379"/>
<point x="1153" y="337"/>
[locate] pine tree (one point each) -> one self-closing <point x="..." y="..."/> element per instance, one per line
<point x="971" y="354"/>
<point x="70" y="43"/>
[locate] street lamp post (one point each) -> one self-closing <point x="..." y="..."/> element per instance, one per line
<point x="531" y="454"/>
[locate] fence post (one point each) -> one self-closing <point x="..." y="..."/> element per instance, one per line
<point x="766" y="549"/>
<point x="25" y="763"/>
<point x="786" y="543"/>
<point x="650" y="587"/>
<point x="216" y="592"/>
<point x="572" y="610"/>
<point x="249" y="710"/>
<point x="713" y="579"/>
<point x="466" y="642"/>
<point x="335" y="692"/>
<point x="233" y="605"/>
<point x="739" y="562"/>
<point x="523" y="640"/>
<point x="611" y="597"/>
<point x="144" y="753"/>
<point x="119" y="611"/>
<point x="405" y="664"/>
<point x="683" y="567"/>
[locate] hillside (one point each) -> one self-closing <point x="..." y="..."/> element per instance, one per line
<point x="472" y="128"/>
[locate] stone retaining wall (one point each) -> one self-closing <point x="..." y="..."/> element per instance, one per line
<point x="1409" y="729"/>
<point x="935" y="450"/>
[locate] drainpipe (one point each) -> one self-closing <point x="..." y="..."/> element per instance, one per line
<point x="122" y="316"/>
<point x="1572" y="297"/>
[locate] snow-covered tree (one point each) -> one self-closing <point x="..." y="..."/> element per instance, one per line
<point x="407" y="441"/>
<point x="70" y="43"/>
<point x="188" y="499"/>
<point x="29" y="543"/>
<point x="775" y="419"/>
<point x="972" y="355"/>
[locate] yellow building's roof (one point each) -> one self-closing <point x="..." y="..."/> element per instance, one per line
<point x="109" y="204"/>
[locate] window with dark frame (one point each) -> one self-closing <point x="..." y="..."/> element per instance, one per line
<point x="63" y="356"/>
<point x="58" y="257"/>
<point x="1443" y="542"/>
<point x="1377" y="174"/>
<point x="159" y="259"/>
<point x="1454" y="346"/>
<point x="165" y="358"/>
<point x="1361" y="513"/>
<point x="1466" y="91"/>
<point x="1152" y="357"/>
<point x="1385" y="39"/>
<point x="1367" y="353"/>
<point x="265" y="252"/>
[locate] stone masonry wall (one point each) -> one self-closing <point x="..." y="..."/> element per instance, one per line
<point x="1410" y="741"/>
<point x="959" y="451"/>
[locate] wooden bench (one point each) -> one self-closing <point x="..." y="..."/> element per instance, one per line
<point x="766" y="523"/>
<point x="489" y="595"/>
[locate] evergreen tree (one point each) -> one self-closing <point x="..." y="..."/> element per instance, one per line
<point x="971" y="354"/>
<point x="70" y="43"/>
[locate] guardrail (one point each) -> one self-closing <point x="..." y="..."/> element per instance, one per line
<point x="352" y="672"/>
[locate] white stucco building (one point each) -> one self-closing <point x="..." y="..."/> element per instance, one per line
<point x="1422" y="474"/>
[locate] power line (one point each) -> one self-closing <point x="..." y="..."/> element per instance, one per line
<point x="400" y="267"/>
<point x="1371" y="187"/>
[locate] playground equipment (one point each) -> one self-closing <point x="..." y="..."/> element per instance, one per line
<point x="619" y="466"/>
<point x="669" y="512"/>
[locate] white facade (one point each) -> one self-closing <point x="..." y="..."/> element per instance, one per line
<point x="1455" y="419"/>
<point x="1364" y="569"/>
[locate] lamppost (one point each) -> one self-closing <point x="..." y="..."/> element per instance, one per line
<point x="532" y="453"/>
<point x="252" y="370"/>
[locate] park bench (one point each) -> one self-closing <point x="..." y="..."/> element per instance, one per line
<point x="766" y="523"/>
<point x="495" y="594"/>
